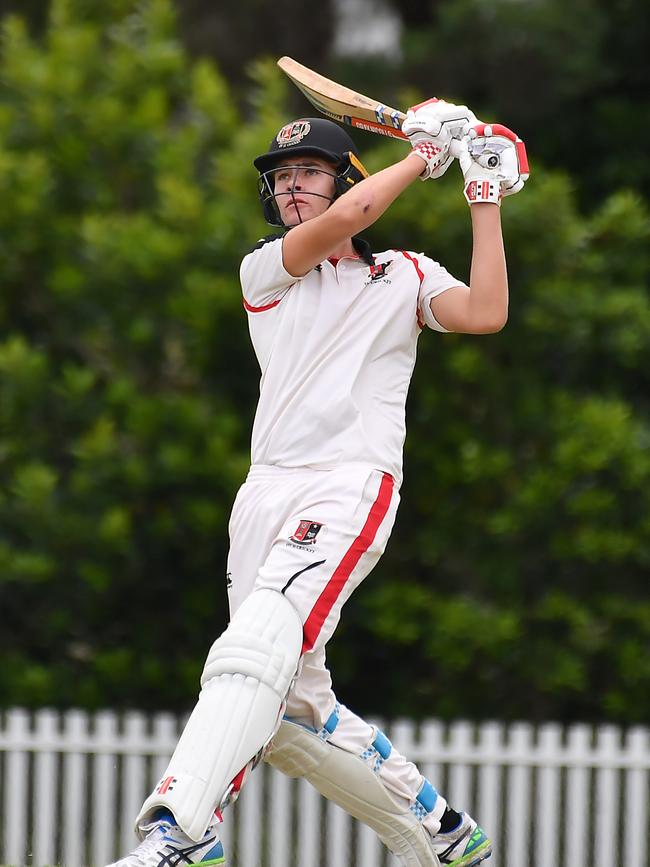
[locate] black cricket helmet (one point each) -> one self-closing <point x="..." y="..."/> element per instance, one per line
<point x="308" y="136"/>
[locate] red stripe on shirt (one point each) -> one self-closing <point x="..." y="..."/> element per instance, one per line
<point x="414" y="261"/>
<point x="420" y="274"/>
<point x="357" y="549"/>
<point x="252" y="309"/>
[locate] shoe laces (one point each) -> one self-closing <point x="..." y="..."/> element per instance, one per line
<point x="151" y="844"/>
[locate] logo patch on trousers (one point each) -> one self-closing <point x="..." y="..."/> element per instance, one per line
<point x="306" y="533"/>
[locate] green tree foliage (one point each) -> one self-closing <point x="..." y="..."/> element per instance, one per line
<point x="126" y="382"/>
<point x="515" y="582"/>
<point x="524" y="532"/>
<point x="232" y="33"/>
<point x="571" y="78"/>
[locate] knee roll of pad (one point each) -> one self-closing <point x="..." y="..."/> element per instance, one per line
<point x="260" y="642"/>
<point x="353" y="782"/>
<point x="245" y="682"/>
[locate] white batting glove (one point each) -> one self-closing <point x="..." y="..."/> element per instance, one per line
<point x="436" y="124"/>
<point x="494" y="163"/>
<point x="436" y="161"/>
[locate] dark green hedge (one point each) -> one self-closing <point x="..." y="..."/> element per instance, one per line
<point x="516" y="581"/>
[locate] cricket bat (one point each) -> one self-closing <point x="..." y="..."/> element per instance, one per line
<point x="346" y="105"/>
<point x="342" y="104"/>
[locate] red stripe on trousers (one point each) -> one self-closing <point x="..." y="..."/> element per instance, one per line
<point x="357" y="549"/>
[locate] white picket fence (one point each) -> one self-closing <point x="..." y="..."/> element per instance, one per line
<point x="551" y="796"/>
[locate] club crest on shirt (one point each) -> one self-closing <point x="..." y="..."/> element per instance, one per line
<point x="292" y="133"/>
<point x="378" y="272"/>
<point x="306" y="532"/>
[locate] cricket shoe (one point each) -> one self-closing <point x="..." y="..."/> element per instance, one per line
<point x="464" y="846"/>
<point x="165" y="845"/>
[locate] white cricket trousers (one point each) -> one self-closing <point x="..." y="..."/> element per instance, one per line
<point x="314" y="535"/>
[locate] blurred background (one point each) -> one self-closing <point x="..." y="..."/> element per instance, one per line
<point x="515" y="585"/>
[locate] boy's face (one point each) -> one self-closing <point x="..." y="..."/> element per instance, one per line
<point x="303" y="188"/>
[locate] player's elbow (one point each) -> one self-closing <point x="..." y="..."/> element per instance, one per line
<point x="496" y="323"/>
<point x="489" y="323"/>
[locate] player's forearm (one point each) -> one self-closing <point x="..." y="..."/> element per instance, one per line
<point x="367" y="200"/>
<point x="311" y="242"/>
<point x="488" y="299"/>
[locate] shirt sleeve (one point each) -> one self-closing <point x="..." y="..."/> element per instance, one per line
<point x="264" y="279"/>
<point x="434" y="281"/>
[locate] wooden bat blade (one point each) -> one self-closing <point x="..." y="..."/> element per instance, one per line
<point x="343" y="104"/>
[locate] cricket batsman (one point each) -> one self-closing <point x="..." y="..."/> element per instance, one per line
<point x="335" y="327"/>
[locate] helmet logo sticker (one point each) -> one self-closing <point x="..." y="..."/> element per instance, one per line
<point x="293" y="133"/>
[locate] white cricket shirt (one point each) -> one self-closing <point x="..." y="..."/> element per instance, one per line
<point x="336" y="349"/>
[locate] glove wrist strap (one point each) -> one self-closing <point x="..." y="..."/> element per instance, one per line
<point x="430" y="153"/>
<point x="484" y="190"/>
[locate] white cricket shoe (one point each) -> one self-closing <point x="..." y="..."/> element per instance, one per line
<point x="167" y="846"/>
<point x="464" y="846"/>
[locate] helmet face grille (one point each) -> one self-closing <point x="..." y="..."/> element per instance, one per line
<point x="313" y="136"/>
<point x="269" y="198"/>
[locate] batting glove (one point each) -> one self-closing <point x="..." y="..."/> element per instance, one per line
<point x="434" y="128"/>
<point x="436" y="161"/>
<point x="494" y="163"/>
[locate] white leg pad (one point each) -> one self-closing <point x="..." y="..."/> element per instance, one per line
<point x="348" y="781"/>
<point x="245" y="682"/>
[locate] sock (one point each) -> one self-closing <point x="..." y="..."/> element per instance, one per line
<point x="450" y="820"/>
<point x="164" y="815"/>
